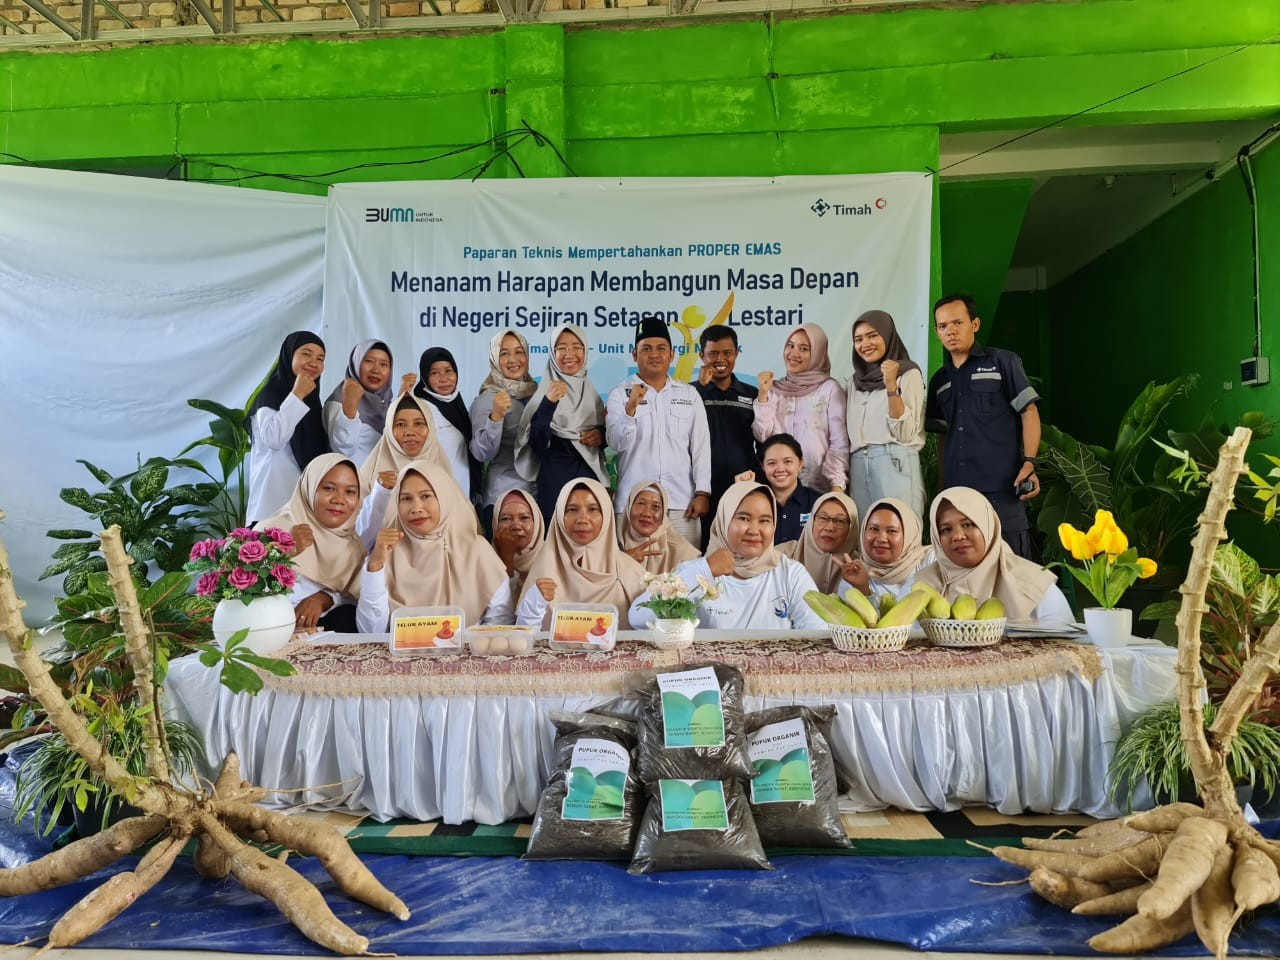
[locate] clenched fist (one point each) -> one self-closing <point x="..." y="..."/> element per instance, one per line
<point x="501" y="404"/>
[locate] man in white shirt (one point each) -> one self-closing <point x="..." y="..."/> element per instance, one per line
<point x="658" y="426"/>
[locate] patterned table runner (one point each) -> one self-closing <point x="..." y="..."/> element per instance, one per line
<point x="783" y="666"/>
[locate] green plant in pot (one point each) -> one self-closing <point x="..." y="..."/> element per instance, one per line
<point x="1241" y="605"/>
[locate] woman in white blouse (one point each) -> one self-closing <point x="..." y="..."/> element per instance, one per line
<point x="759" y="589"/>
<point x="885" y="416"/>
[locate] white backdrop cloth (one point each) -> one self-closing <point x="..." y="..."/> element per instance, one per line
<point x="120" y="299"/>
<point x="451" y="264"/>
<point x="1042" y="745"/>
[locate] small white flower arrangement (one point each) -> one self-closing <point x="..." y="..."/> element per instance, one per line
<point x="670" y="598"/>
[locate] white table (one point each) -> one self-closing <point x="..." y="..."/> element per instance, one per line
<point x="480" y="749"/>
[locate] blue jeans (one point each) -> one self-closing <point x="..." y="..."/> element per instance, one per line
<point x="886" y="470"/>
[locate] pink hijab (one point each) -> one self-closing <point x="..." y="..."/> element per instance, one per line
<point x="819" y="370"/>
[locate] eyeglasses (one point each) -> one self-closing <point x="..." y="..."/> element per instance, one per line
<point x="822" y="520"/>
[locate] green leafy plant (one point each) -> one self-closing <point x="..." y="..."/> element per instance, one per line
<point x="1241" y="603"/>
<point x="156" y="521"/>
<point x="228" y="436"/>
<point x="55" y="775"/>
<point x="1152" y="751"/>
<point x="235" y="661"/>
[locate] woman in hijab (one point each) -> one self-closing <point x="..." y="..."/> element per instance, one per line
<point x="581" y="561"/>
<point x="892" y="550"/>
<point x="321" y="518"/>
<point x="356" y="411"/>
<point x="829" y="542"/>
<point x="286" y="430"/>
<point x="496" y="415"/>
<point x="973" y="559"/>
<point x="439" y="387"/>
<point x="428" y="553"/>
<point x="758" y="588"/>
<point x="646" y="535"/>
<point x="808" y="404"/>
<point x="407" y="436"/>
<point x="518" y="535"/>
<point x="561" y="436"/>
<point x="885" y="415"/>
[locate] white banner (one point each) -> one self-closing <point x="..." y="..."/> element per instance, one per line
<point x="120" y="299"/>
<point x="450" y="264"/>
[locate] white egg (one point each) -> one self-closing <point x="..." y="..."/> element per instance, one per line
<point x="479" y="645"/>
<point x="497" y="645"/>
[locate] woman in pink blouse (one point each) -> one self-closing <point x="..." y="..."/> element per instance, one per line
<point x="810" y="405"/>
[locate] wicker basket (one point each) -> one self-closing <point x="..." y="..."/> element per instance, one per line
<point x="964" y="633"/>
<point x="870" y="639"/>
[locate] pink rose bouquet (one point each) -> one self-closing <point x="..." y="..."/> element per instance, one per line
<point x="244" y="565"/>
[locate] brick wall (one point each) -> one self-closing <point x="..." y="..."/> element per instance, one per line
<point x="150" y="14"/>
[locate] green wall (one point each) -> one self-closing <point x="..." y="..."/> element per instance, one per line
<point x="1177" y="297"/>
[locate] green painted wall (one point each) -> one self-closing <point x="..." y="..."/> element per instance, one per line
<point x="1175" y="298"/>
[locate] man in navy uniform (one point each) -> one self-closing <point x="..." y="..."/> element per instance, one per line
<point x="986" y="410"/>
<point x="729" y="414"/>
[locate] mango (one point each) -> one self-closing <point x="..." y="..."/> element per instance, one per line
<point x="887" y="600"/>
<point x="965" y="608"/>
<point x="991" y="609"/>
<point x="858" y="602"/>
<point x="905" y="611"/>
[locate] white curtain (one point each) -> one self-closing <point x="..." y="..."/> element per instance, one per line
<point x="120" y="299"/>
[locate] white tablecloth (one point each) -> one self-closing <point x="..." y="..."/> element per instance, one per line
<point x="1041" y="745"/>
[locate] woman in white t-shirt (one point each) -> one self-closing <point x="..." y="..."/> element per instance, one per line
<point x="759" y="589"/>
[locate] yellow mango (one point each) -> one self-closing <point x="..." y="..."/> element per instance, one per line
<point x="991" y="609"/>
<point x="857" y="600"/>
<point x="964" y="608"/>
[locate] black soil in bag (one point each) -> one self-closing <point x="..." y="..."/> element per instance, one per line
<point x="697" y="825"/>
<point x="590" y="808"/>
<point x="794" y="796"/>
<point x="703" y="735"/>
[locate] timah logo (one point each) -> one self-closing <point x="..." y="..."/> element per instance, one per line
<point x="399" y="215"/>
<point x="822" y="208"/>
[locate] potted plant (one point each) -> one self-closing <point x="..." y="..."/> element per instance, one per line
<point x="675" y="607"/>
<point x="250" y="573"/>
<point x="1111" y="567"/>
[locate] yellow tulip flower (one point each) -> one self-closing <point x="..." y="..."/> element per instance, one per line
<point x="1114" y="542"/>
<point x="1103" y="521"/>
<point x="1146" y="568"/>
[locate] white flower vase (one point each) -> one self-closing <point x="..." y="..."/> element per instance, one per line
<point x="269" y="620"/>
<point x="1109" y="628"/>
<point x="673" y="634"/>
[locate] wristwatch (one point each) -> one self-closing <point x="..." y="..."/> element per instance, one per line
<point x="893" y="393"/>
<point x="1031" y="460"/>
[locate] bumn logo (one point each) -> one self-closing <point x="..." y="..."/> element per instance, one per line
<point x="399" y="215"/>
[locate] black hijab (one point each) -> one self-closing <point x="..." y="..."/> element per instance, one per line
<point x="867" y="376"/>
<point x="309" y="438"/>
<point x="454" y="410"/>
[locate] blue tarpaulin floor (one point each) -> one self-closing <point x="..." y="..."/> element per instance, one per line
<point x="504" y="905"/>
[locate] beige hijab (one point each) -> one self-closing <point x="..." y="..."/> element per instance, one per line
<point x="451" y="565"/>
<point x="387" y="454"/>
<point x="523" y="559"/>
<point x="1019" y="584"/>
<point x="675" y="548"/>
<point x="334" y="560"/>
<point x="913" y="549"/>
<point x="596" y="573"/>
<point x="819" y="563"/>
<point x="743" y="567"/>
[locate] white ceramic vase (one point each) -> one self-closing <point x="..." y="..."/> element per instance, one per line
<point x="269" y="620"/>
<point x="1109" y="628"/>
<point x="675" y="632"/>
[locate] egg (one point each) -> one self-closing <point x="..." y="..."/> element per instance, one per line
<point x="479" y="644"/>
<point x="498" y="645"/>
